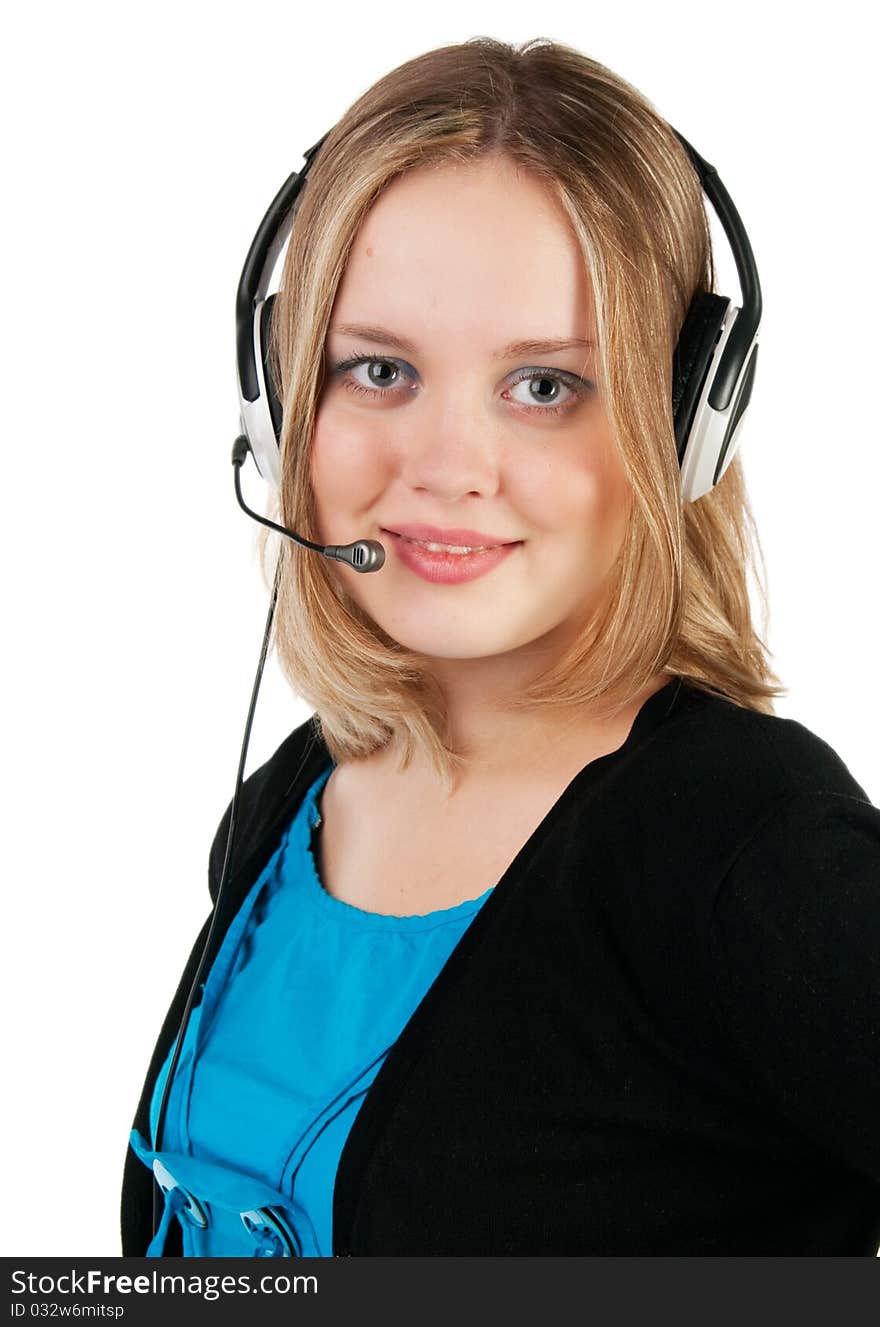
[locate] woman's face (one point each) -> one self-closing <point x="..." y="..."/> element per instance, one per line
<point x="448" y="424"/>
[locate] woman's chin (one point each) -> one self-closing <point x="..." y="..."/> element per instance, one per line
<point x="485" y="640"/>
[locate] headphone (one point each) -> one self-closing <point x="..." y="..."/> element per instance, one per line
<point x="713" y="368"/>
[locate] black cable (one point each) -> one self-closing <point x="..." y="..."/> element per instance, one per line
<point x="264" y="520"/>
<point x="160" y="1118"/>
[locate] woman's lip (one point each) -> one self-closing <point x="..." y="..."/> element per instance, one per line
<point x="448" y="568"/>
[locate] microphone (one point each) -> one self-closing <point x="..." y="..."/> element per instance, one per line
<point x="363" y="555"/>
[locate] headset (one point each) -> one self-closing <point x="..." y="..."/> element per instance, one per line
<point x="713" y="370"/>
<point x="713" y="365"/>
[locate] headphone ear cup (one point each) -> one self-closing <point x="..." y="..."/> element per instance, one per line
<point x="264" y="337"/>
<point x="691" y="360"/>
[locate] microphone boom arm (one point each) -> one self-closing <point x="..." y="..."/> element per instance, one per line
<point x="363" y="555"/>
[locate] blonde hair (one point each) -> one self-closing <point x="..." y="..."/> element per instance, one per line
<point x="678" y="597"/>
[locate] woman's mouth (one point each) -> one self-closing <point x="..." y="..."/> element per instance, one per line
<point x="447" y="564"/>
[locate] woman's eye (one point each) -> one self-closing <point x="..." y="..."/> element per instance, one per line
<point x="371" y="376"/>
<point x="543" y="390"/>
<point x="379" y="373"/>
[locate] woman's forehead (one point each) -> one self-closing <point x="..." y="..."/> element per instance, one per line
<point x="470" y="248"/>
<point x="489" y="199"/>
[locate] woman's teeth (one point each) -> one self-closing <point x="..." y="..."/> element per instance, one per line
<point x="445" y="548"/>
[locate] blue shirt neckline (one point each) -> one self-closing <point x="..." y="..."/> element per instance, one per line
<point x="347" y="913"/>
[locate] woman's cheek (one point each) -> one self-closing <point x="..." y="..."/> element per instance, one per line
<point x="560" y="494"/>
<point x="349" y="465"/>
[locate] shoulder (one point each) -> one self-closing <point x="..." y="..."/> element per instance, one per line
<point x="682" y="802"/>
<point x="731" y="747"/>
<point x="769" y="819"/>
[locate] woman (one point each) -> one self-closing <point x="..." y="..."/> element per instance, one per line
<point x="544" y="935"/>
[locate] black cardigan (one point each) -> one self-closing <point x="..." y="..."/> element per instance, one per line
<point x="659" y="1036"/>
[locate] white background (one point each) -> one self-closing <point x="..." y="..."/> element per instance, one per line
<point x="144" y="144"/>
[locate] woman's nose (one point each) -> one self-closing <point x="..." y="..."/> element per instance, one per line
<point x="451" y="450"/>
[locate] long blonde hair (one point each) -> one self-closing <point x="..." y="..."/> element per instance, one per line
<point x="678" y="601"/>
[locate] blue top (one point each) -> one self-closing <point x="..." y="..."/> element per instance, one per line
<point x="305" y="998"/>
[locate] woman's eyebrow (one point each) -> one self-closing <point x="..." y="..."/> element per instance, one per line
<point x="536" y="347"/>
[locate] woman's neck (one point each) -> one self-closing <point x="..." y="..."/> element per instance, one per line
<point x="495" y="742"/>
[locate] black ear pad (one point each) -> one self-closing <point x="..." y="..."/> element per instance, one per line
<point x="691" y="360"/>
<point x="271" y="391"/>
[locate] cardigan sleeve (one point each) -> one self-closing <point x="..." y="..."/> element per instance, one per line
<point x="795" y="950"/>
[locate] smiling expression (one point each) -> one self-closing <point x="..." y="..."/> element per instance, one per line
<point x="465" y="402"/>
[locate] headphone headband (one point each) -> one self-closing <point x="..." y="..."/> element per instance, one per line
<point x="270" y="239"/>
<point x="749" y="319"/>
